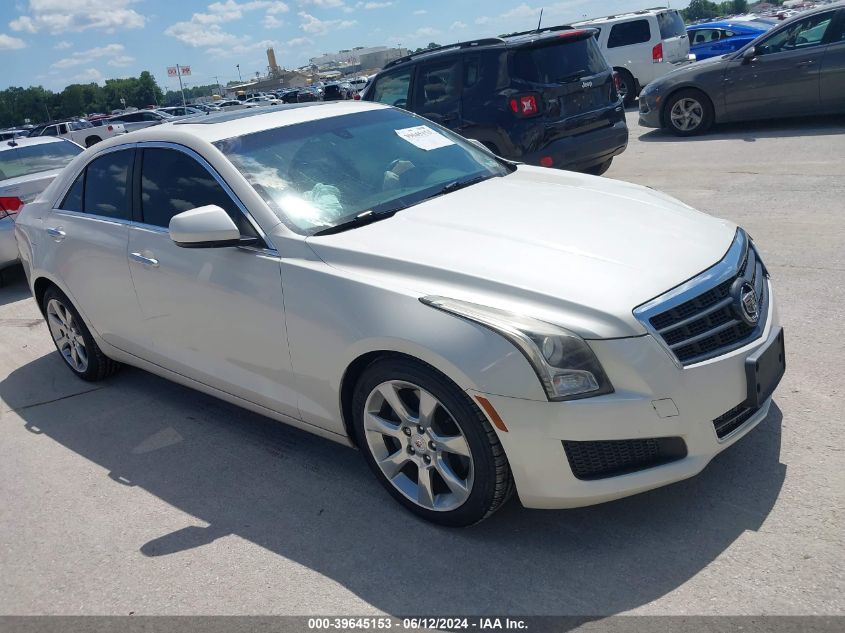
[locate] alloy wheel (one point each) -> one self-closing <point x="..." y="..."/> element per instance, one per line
<point x="67" y="337"/>
<point x="687" y="114"/>
<point x="418" y="445"/>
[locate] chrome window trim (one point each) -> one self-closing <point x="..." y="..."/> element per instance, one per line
<point x="220" y="181"/>
<point x="269" y="249"/>
<point x="723" y="270"/>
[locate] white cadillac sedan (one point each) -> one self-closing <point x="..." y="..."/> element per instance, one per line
<point x="472" y="325"/>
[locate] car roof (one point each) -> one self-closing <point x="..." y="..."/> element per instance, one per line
<point x="625" y="16"/>
<point x="727" y="24"/>
<point x="218" y="126"/>
<point x="24" y="142"/>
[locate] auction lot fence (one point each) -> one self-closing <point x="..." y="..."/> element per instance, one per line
<point x="541" y="624"/>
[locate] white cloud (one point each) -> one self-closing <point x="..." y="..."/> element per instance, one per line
<point x="272" y="22"/>
<point x="7" y="42"/>
<point x="121" y="60"/>
<point x="217" y="52"/>
<point x="23" y="23"/>
<point x="369" y="6"/>
<point x="60" y="46"/>
<point x="58" y="16"/>
<point x="203" y="29"/>
<point x="458" y="25"/>
<point x="323" y="4"/>
<point x="88" y="76"/>
<point x="420" y="12"/>
<point x="81" y="58"/>
<point x="312" y="25"/>
<point x="299" y="41"/>
<point x="483" y="20"/>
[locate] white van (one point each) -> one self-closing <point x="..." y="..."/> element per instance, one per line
<point x="641" y="46"/>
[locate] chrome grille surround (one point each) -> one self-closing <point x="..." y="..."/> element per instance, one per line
<point x="695" y="321"/>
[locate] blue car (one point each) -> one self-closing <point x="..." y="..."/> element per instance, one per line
<point x="713" y="39"/>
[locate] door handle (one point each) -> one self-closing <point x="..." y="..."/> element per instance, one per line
<point x="56" y="233"/>
<point x="805" y="63"/>
<point x="146" y="261"/>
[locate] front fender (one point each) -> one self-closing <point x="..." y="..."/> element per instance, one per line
<point x="334" y="317"/>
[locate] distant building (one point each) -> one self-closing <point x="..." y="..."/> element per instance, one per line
<point x="353" y="60"/>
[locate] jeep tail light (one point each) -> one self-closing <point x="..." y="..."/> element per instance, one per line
<point x="525" y="105"/>
<point x="657" y="53"/>
<point x="9" y="206"/>
<point x="110" y="128"/>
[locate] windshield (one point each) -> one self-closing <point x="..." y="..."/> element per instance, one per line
<point x="31" y="159"/>
<point x="671" y="24"/>
<point x="323" y="173"/>
<point x="560" y="62"/>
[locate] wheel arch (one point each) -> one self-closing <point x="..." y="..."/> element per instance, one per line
<point x="675" y="90"/>
<point x="359" y="365"/>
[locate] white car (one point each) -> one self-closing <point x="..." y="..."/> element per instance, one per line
<point x="261" y="101"/>
<point x="140" y="119"/>
<point x="641" y="46"/>
<point x="27" y="166"/>
<point x="473" y="326"/>
<point x="81" y="132"/>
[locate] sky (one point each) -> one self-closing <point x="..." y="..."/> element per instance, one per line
<point x="54" y="43"/>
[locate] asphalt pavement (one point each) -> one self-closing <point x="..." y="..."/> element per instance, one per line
<point x="137" y="495"/>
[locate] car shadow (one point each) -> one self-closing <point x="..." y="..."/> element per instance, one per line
<point x="13" y="285"/>
<point x="316" y="503"/>
<point x="751" y="131"/>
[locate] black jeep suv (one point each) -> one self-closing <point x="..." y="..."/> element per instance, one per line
<point x="544" y="97"/>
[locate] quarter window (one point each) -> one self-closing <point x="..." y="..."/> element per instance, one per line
<point x="107" y="185"/>
<point x="73" y="199"/>
<point x="173" y="182"/>
<point x="628" y="33"/>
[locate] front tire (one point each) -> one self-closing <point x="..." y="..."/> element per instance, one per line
<point x="428" y="444"/>
<point x="627" y="88"/>
<point x="688" y="113"/>
<point x="73" y="340"/>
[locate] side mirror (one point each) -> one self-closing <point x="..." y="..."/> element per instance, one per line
<point x="749" y="54"/>
<point x="205" y="227"/>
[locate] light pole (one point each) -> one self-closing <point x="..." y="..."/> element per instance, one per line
<point x="240" y="79"/>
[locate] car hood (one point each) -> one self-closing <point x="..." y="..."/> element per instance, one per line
<point x="576" y="250"/>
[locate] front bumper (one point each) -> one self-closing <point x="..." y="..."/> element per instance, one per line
<point x="8" y="246"/>
<point x="584" y="150"/>
<point x="650" y="110"/>
<point x="653" y="399"/>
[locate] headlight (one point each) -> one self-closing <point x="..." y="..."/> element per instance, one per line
<point x="566" y="366"/>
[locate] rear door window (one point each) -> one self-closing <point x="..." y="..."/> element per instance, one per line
<point x="107" y="185"/>
<point x="629" y="33"/>
<point x="438" y="87"/>
<point x="560" y="62"/>
<point x="671" y="24"/>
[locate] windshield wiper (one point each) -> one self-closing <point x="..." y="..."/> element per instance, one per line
<point x="458" y="184"/>
<point x="362" y="219"/>
<point x="572" y="76"/>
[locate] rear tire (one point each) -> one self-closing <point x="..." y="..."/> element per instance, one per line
<point x="73" y="340"/>
<point x="92" y="140"/>
<point x="598" y="170"/>
<point x="628" y="90"/>
<point x="688" y="113"/>
<point x="428" y="444"/>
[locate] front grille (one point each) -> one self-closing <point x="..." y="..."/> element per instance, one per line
<point x="609" y="458"/>
<point x="708" y="325"/>
<point x="731" y="420"/>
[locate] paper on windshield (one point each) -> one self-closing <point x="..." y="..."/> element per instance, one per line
<point x="424" y="137"/>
